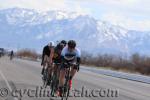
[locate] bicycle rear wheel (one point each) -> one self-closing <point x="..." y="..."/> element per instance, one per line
<point x="45" y="78"/>
<point x="65" y="95"/>
<point x="66" y="91"/>
<point x="54" y="84"/>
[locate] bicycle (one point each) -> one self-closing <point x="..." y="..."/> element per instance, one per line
<point x="11" y="57"/>
<point x="66" y="87"/>
<point x="46" y="78"/>
<point x="55" y="79"/>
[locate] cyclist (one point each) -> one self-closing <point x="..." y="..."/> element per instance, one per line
<point x="11" y="55"/>
<point x="57" y="51"/>
<point x="47" y="57"/>
<point x="69" y="54"/>
<point x="57" y="56"/>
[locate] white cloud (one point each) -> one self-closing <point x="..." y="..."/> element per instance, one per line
<point x="127" y="6"/>
<point x="44" y="35"/>
<point x="82" y="11"/>
<point x="122" y="12"/>
<point x="119" y="2"/>
<point x="114" y="2"/>
<point x="39" y="37"/>
<point x="126" y="22"/>
<point x="35" y="4"/>
<point x="44" y="5"/>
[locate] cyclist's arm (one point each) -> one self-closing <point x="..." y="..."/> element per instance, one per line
<point x="43" y="54"/>
<point x="78" y="60"/>
<point x="51" y="55"/>
<point x="62" y="59"/>
<point x="62" y="55"/>
<point x="78" y="55"/>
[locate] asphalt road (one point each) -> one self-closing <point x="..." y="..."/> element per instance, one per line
<point x="21" y="80"/>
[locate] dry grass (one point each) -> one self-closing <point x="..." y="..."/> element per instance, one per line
<point x="27" y="53"/>
<point x="136" y="63"/>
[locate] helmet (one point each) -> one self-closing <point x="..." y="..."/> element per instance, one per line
<point x="60" y="46"/>
<point x="71" y="44"/>
<point x="63" y="42"/>
<point x="51" y="44"/>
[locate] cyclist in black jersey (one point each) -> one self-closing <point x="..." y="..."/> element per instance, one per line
<point x="47" y="57"/>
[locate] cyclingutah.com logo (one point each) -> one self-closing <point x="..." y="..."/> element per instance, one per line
<point x="39" y="92"/>
<point x="4" y="92"/>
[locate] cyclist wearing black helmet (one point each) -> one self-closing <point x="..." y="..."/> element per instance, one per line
<point x="64" y="42"/>
<point x="69" y="54"/>
<point x="57" y="53"/>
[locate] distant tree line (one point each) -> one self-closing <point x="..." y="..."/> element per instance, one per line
<point x="27" y="53"/>
<point x="134" y="63"/>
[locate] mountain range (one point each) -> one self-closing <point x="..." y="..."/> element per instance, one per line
<point x="28" y="28"/>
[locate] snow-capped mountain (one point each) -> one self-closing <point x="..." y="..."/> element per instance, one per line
<point x="27" y="28"/>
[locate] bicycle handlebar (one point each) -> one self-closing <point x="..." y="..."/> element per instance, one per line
<point x="70" y="64"/>
<point x="57" y="63"/>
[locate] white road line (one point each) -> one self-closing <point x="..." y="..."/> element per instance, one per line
<point x="5" y="80"/>
<point x="9" y="87"/>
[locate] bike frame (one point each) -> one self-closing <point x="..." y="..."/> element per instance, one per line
<point x="66" y="87"/>
<point x="46" y="76"/>
<point x="55" y="79"/>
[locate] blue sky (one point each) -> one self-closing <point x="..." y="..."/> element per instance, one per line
<point x="131" y="14"/>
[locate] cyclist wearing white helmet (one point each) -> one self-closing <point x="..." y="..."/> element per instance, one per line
<point x="47" y="57"/>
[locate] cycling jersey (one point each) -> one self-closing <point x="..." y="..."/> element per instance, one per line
<point x="57" y="53"/>
<point x="46" y="52"/>
<point x="70" y="56"/>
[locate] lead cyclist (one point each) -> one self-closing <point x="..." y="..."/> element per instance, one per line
<point x="69" y="54"/>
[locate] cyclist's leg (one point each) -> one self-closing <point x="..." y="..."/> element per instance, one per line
<point x="58" y="74"/>
<point x="49" y="74"/>
<point x="44" y="65"/>
<point x="73" y="70"/>
<point x="57" y="71"/>
<point x="61" y="79"/>
<point x="50" y="70"/>
<point x="72" y="74"/>
<point x="53" y="71"/>
<point x="62" y="76"/>
<point x="55" y="76"/>
<point x="47" y="64"/>
<point x="57" y="67"/>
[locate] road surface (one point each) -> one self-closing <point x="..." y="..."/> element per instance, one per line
<point x="21" y="80"/>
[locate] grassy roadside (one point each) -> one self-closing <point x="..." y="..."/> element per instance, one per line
<point x="112" y="69"/>
<point x="135" y="64"/>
